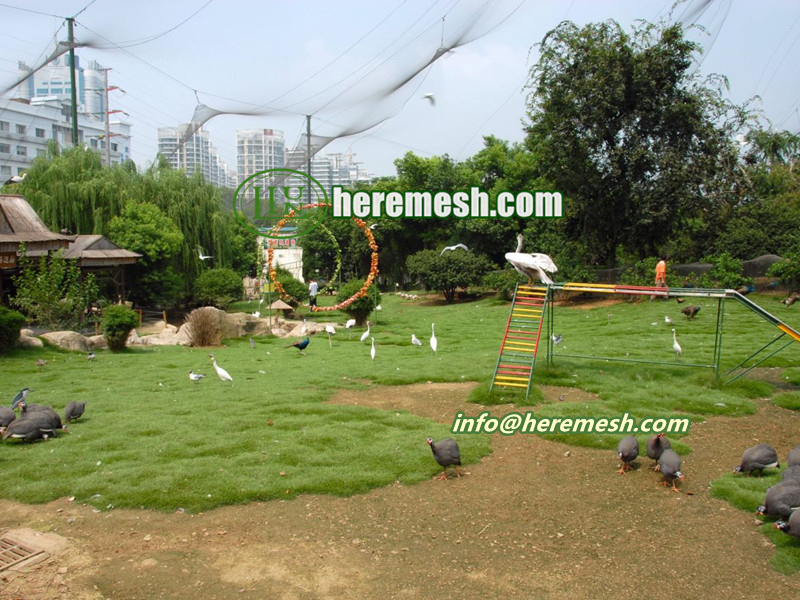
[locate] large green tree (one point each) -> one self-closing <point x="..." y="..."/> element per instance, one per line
<point x="636" y="141"/>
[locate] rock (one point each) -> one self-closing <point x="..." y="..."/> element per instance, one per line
<point x="69" y="340"/>
<point x="26" y="333"/>
<point x="97" y="341"/>
<point x="182" y="337"/>
<point x="30" y="342"/>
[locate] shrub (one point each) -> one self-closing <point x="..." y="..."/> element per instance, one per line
<point x="787" y="270"/>
<point x="361" y="308"/>
<point x="726" y="272"/>
<point x="503" y="282"/>
<point x="449" y="271"/>
<point x="10" y="323"/>
<point x="203" y="327"/>
<point x="118" y="321"/>
<point x="219" y="287"/>
<point x="297" y="290"/>
<point x="642" y="273"/>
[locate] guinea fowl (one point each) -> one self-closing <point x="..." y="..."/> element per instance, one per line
<point x="447" y="454"/>
<point x="781" y="500"/>
<point x="655" y="447"/>
<point x="690" y="311"/>
<point x="26" y="429"/>
<point x="49" y="420"/>
<point x="758" y="458"/>
<point x="791" y="474"/>
<point x="794" y="456"/>
<point x="627" y="451"/>
<point x="73" y="411"/>
<point x="670" y="464"/>
<point x="792" y="526"/>
<point x="6" y="416"/>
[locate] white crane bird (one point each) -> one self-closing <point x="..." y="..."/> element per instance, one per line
<point x="372" y="351"/>
<point x="365" y="335"/>
<point x="675" y="345"/>
<point x="223" y="374"/>
<point x="456" y="247"/>
<point x="434" y="341"/>
<point x="531" y="265"/>
<point x="201" y="255"/>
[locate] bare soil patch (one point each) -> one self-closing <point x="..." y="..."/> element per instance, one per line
<point x="535" y="519"/>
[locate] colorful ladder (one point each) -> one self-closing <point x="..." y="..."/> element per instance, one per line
<point x="521" y="339"/>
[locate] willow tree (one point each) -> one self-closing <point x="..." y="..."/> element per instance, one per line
<point x="635" y="139"/>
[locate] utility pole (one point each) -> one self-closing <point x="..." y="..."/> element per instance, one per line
<point x="73" y="90"/>
<point x="308" y="144"/>
<point x="108" y="117"/>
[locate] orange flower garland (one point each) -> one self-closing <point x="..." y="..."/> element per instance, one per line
<point x="373" y="271"/>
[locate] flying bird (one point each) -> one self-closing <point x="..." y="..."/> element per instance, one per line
<point x="675" y="345"/>
<point x="434" y="341"/>
<point x="415" y="340"/>
<point x="374" y="226"/>
<point x="627" y="451"/>
<point x="447" y="454"/>
<point x="431" y="98"/>
<point x="449" y="248"/>
<point x="74" y="410"/>
<point x="670" y="464"/>
<point x="300" y="345"/>
<point x="758" y="458"/>
<point x="201" y="255"/>
<point x="655" y="448"/>
<point x="372" y="350"/>
<point x="223" y="374"/>
<point x="195" y="376"/>
<point x="531" y="265"/>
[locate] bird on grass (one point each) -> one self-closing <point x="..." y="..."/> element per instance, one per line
<point x="252" y="343"/>
<point x="365" y="335"/>
<point x="675" y="345"/>
<point x="451" y="248"/>
<point x="74" y="411"/>
<point x="781" y="500"/>
<point x="372" y="350"/>
<point x="195" y="376"/>
<point x="791" y="473"/>
<point x="670" y="464"/>
<point x="91" y="356"/>
<point x="415" y="340"/>
<point x="690" y="311"/>
<point x="202" y="256"/>
<point x="655" y="448"/>
<point x="447" y="454"/>
<point x="300" y="345"/>
<point x="434" y="341"/>
<point x="531" y="265"/>
<point x="627" y="451"/>
<point x="304" y="328"/>
<point x="49" y="420"/>
<point x="41" y="362"/>
<point x="557" y="339"/>
<point x="331" y="330"/>
<point x="26" y="429"/>
<point x="223" y="374"/>
<point x="6" y="417"/>
<point x="757" y="458"/>
<point x="792" y="526"/>
<point x="680" y="300"/>
<point x="667" y="320"/>
<point x="349" y="325"/>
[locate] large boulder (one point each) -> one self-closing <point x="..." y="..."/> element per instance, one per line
<point x="69" y="340"/>
<point x="26" y="341"/>
<point x="98" y="341"/>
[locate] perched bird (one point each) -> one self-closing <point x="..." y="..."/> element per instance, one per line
<point x="675" y="345"/>
<point x="531" y="265"/>
<point x="655" y="448"/>
<point x="372" y="350"/>
<point x="792" y="526"/>
<point x="300" y="344"/>
<point x="430" y="98"/>
<point x="365" y="335"/>
<point x="195" y="376"/>
<point x="670" y="464"/>
<point x="447" y="454"/>
<point x="415" y="340"/>
<point x="434" y="341"/>
<point x="16" y="179"/>
<point x="557" y="339"/>
<point x="252" y="343"/>
<point x="782" y="500"/>
<point x="74" y="410"/>
<point x="758" y="458"/>
<point x="667" y="320"/>
<point x="6" y="416"/>
<point x="449" y="248"/>
<point x="627" y="451"/>
<point x="794" y="456"/>
<point x="91" y="356"/>
<point x="201" y="255"/>
<point x="223" y="374"/>
<point x="791" y="474"/>
<point x="690" y="311"/>
<point x="20" y="397"/>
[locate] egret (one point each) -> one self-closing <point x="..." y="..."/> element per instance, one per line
<point x="365" y="335"/>
<point x="330" y="330"/>
<point x="372" y="351"/>
<point x="202" y="256"/>
<point x="449" y="248"/>
<point x="667" y="320"/>
<point x="415" y="340"/>
<point x="675" y="345"/>
<point x="304" y="329"/>
<point x="349" y="325"/>
<point x="434" y="341"/>
<point x="531" y="265"/>
<point x="196" y="376"/>
<point x="430" y="98"/>
<point x="223" y="374"/>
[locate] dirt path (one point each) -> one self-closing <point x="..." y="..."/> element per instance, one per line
<point x="527" y="522"/>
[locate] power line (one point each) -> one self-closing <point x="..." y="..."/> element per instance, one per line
<point x="28" y="10"/>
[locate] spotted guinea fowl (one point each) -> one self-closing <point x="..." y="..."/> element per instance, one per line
<point x="49" y="420"/>
<point x="24" y="428"/>
<point x="792" y="526"/>
<point x="6" y="416"/>
<point x="670" y="464"/>
<point x="74" y="410"/>
<point x="627" y="451"/>
<point x="791" y="474"/>
<point x="690" y="311"/>
<point x="794" y="456"/>
<point x="781" y="500"/>
<point x="447" y="454"/>
<point x="758" y="458"/>
<point x="655" y="446"/>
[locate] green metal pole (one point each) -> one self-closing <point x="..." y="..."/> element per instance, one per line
<point x="718" y="336"/>
<point x="73" y="85"/>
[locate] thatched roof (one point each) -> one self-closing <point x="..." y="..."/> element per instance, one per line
<point x="280" y="305"/>
<point x="98" y="251"/>
<point x="19" y="224"/>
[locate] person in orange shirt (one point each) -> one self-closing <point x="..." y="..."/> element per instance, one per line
<point x="661" y="274"/>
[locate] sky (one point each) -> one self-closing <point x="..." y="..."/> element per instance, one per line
<point x="341" y="61"/>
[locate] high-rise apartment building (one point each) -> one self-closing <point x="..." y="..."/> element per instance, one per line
<point x="258" y="150"/>
<point x="193" y="152"/>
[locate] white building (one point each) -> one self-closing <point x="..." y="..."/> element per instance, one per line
<point x="194" y="153"/>
<point x="27" y="125"/>
<point x="258" y="150"/>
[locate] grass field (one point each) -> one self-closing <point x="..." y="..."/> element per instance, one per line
<point x="151" y="438"/>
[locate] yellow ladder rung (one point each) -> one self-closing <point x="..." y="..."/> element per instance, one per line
<point x="510" y="384"/>
<point x="508" y="378"/>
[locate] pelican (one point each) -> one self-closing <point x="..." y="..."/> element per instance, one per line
<point x="223" y="374"/>
<point x="365" y="335"/>
<point x="201" y="255"/>
<point x="456" y="247"/>
<point x="372" y="351"/>
<point x="531" y="265"/>
<point x="415" y="340"/>
<point x="675" y="345"/>
<point x="434" y="341"/>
